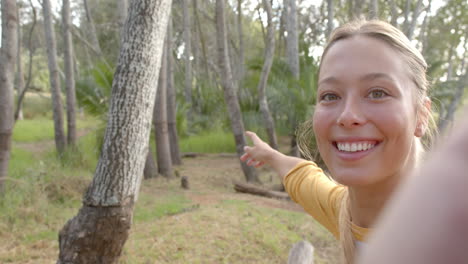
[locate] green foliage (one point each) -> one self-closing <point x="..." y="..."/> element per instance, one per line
<point x="94" y="90"/>
<point x="36" y="105"/>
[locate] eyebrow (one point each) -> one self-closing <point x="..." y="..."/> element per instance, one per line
<point x="367" y="77"/>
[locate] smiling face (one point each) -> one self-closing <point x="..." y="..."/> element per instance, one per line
<point x="365" y="118"/>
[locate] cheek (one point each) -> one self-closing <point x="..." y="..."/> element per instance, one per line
<point x="322" y="122"/>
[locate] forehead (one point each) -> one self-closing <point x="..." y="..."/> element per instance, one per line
<point x="354" y="57"/>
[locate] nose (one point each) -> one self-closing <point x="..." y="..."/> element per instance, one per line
<point x="352" y="113"/>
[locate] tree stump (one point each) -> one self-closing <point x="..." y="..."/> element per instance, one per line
<point x="184" y="183"/>
<point x="301" y="253"/>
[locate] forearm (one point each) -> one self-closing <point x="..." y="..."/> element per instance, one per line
<point x="282" y="163"/>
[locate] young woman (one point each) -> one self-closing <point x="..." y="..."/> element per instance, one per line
<point x="371" y="112"/>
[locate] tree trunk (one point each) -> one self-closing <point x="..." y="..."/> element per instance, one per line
<point x="374" y="9"/>
<point x="60" y="140"/>
<point x="188" y="64"/>
<point x="241" y="42"/>
<point x="69" y="75"/>
<point x="269" y="53"/>
<point x="329" y="17"/>
<point x="151" y="170"/>
<point x="292" y="44"/>
<point x="19" y="68"/>
<point x="393" y="13"/>
<point x="414" y="20"/>
<point x="7" y="64"/>
<point x="92" y="30"/>
<point x="292" y="52"/>
<point x="171" y="100"/>
<point x="99" y="231"/>
<point x="163" y="149"/>
<point x="31" y="53"/>
<point x="230" y="96"/>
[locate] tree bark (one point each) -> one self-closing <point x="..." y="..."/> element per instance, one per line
<point x="163" y="150"/>
<point x="69" y="75"/>
<point x="19" y="67"/>
<point x="151" y="170"/>
<point x="241" y="42"/>
<point x="171" y="100"/>
<point x="31" y="53"/>
<point x="268" y="61"/>
<point x="187" y="60"/>
<point x="374" y="9"/>
<point x="393" y="13"/>
<point x="292" y="44"/>
<point x="330" y="16"/>
<point x="99" y="231"/>
<point x="7" y="64"/>
<point x="92" y="29"/>
<point x="230" y="96"/>
<point x="292" y="52"/>
<point x="60" y="139"/>
<point x="414" y="20"/>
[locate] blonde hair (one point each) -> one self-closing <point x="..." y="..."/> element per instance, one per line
<point x="417" y="67"/>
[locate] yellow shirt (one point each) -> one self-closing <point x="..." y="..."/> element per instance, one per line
<point x="308" y="186"/>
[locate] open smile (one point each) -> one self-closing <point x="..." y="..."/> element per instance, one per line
<point x="356" y="149"/>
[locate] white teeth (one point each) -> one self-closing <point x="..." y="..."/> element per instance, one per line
<point x="354" y="147"/>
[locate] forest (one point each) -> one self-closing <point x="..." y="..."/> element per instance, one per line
<point x="122" y="122"/>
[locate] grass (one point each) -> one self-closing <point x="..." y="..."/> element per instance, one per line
<point x="209" y="142"/>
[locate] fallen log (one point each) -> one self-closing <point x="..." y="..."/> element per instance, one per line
<point x="253" y="189"/>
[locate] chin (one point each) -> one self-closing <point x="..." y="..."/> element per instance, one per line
<point x="352" y="178"/>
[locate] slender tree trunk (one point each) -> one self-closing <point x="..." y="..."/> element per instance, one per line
<point x="424" y="29"/>
<point x="241" y="42"/>
<point x="374" y="9"/>
<point x="99" y="231"/>
<point x="60" y="140"/>
<point x="268" y="61"/>
<point x="292" y="44"/>
<point x="163" y="149"/>
<point x="31" y="53"/>
<point x="393" y="13"/>
<point x="7" y="64"/>
<point x="19" y="68"/>
<point x="171" y="100"/>
<point x="69" y="75"/>
<point x="151" y="170"/>
<point x="414" y="20"/>
<point x="92" y="29"/>
<point x="187" y="57"/>
<point x="202" y="39"/>
<point x="292" y="51"/>
<point x="230" y="96"/>
<point x="330" y="16"/>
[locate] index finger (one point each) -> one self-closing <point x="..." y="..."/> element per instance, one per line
<point x="255" y="139"/>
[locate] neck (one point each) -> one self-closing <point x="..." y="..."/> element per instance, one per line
<point x="367" y="202"/>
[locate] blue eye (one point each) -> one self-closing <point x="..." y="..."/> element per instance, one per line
<point x="329" y="97"/>
<point x="377" y="94"/>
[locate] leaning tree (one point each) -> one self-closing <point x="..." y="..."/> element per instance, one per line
<point x="101" y="227"/>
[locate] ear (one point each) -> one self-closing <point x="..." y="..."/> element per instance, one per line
<point x="423" y="117"/>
